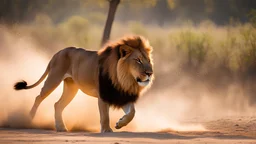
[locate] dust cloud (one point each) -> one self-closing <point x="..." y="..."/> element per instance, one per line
<point x="21" y="59"/>
<point x="166" y="108"/>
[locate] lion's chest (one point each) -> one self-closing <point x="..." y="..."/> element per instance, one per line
<point x="112" y="95"/>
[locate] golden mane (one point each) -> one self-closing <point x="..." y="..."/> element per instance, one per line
<point x="109" y="57"/>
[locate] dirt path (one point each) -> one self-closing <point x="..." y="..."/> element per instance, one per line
<point x="36" y="136"/>
<point x="235" y="130"/>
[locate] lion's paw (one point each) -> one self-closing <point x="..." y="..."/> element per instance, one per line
<point x="120" y="124"/>
<point x="60" y="128"/>
<point x="117" y="126"/>
<point x="106" y="130"/>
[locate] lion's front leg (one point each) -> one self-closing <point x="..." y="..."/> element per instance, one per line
<point x="104" y="116"/>
<point x="129" y="114"/>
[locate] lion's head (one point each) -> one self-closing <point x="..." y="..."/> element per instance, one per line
<point x="135" y="64"/>
<point x="128" y="62"/>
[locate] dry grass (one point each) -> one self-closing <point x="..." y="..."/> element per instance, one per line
<point x="215" y="55"/>
<point x="205" y="49"/>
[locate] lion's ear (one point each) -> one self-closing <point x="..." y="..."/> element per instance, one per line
<point x="124" y="50"/>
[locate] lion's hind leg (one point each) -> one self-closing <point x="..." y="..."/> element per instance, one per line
<point x="51" y="83"/>
<point x="69" y="91"/>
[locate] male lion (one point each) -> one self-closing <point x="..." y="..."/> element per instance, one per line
<point x="116" y="75"/>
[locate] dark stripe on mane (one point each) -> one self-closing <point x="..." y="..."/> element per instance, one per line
<point x="108" y="92"/>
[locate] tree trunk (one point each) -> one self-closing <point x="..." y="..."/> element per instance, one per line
<point x="111" y="15"/>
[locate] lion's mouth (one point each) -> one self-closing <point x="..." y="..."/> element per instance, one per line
<point x="143" y="83"/>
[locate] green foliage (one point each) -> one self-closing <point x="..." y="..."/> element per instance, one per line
<point x="42" y="19"/>
<point x="226" y="55"/>
<point x="72" y="32"/>
<point x="171" y="4"/>
<point x="137" y="28"/>
<point x="247" y="55"/>
<point x="204" y="49"/>
<point x="194" y="46"/>
<point x="162" y="11"/>
<point x="77" y="29"/>
<point x="89" y="3"/>
<point x="140" y="3"/>
<point x="97" y="17"/>
<point x="207" y="24"/>
<point x="252" y="17"/>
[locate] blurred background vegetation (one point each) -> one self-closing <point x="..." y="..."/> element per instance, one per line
<point x="210" y="41"/>
<point x="147" y="11"/>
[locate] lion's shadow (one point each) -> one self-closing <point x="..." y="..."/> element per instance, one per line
<point x="124" y="134"/>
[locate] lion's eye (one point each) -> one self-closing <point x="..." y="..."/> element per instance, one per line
<point x="138" y="61"/>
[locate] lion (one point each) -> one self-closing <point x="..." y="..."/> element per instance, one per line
<point x="117" y="75"/>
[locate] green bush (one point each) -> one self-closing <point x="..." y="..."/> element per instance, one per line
<point x="247" y="55"/>
<point x="138" y="28"/>
<point x="74" y="31"/>
<point x="194" y="46"/>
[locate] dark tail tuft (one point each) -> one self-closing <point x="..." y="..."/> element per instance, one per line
<point x="20" y="85"/>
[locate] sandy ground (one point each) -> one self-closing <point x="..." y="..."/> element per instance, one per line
<point x="237" y="130"/>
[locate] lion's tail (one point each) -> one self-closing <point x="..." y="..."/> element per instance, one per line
<point x="23" y="84"/>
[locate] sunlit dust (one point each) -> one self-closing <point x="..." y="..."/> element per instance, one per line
<point x="157" y="110"/>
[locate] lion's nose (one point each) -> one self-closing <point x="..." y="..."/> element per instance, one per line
<point x="149" y="73"/>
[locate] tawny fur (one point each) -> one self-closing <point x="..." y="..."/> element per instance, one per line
<point x="82" y="68"/>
